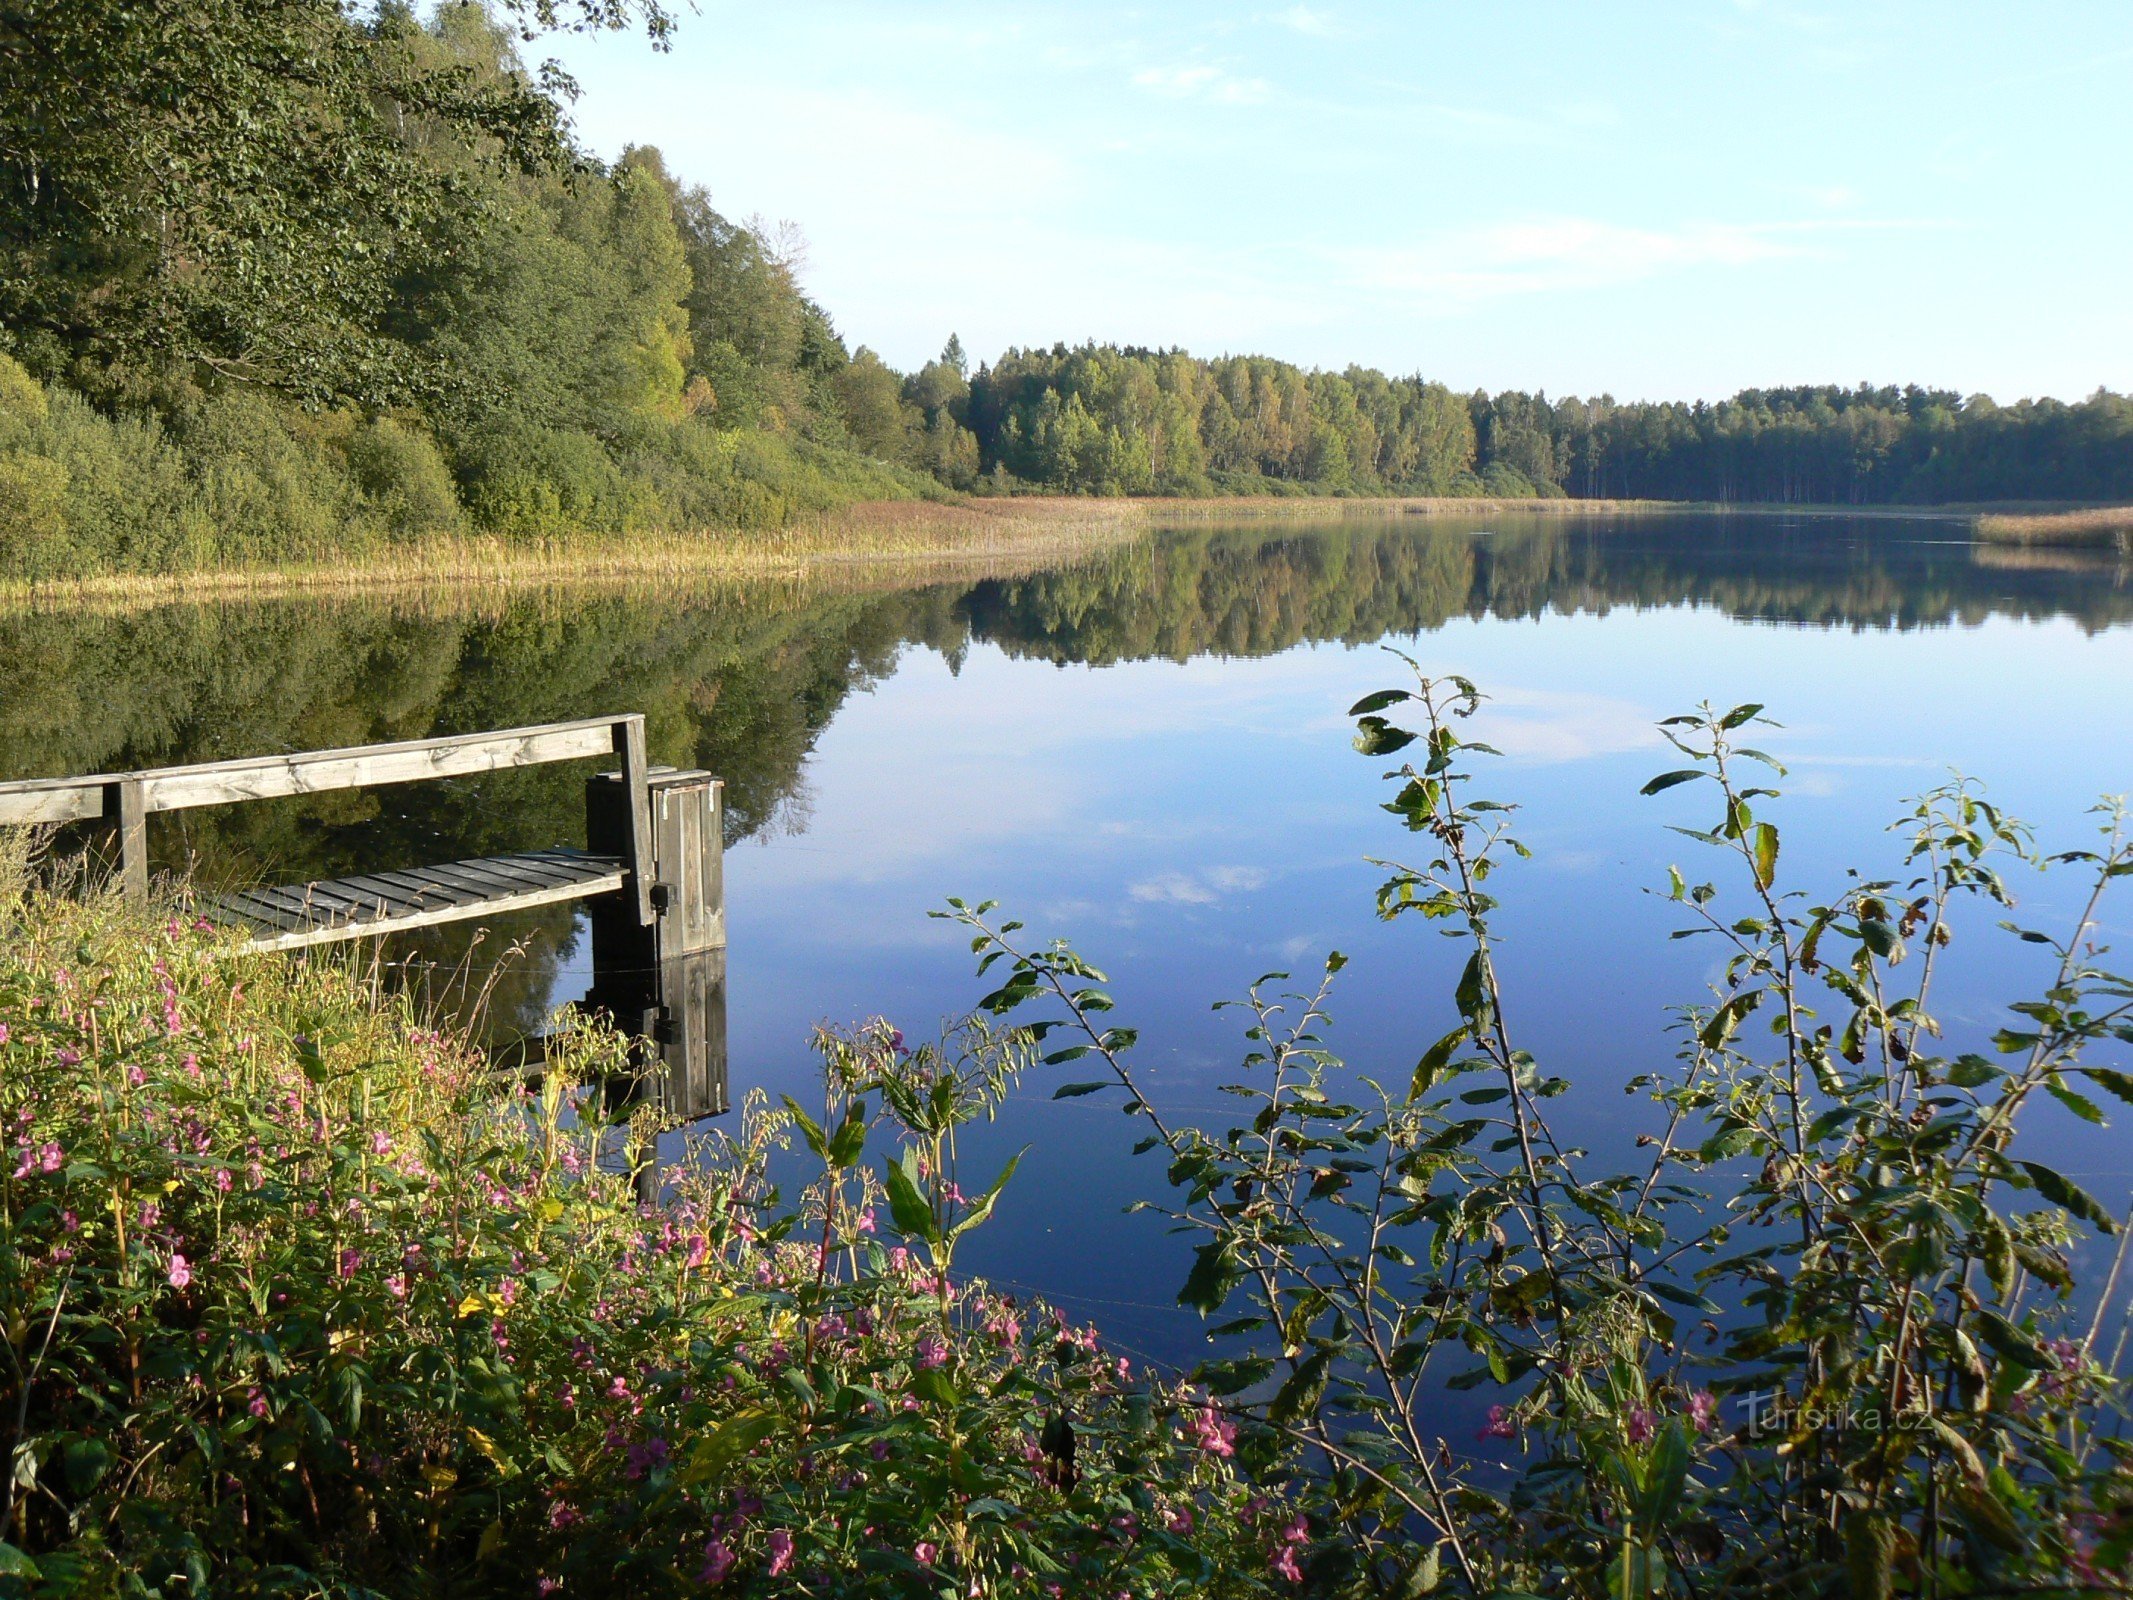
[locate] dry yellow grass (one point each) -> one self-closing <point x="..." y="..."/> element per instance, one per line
<point x="2098" y="528"/>
<point x="906" y="538"/>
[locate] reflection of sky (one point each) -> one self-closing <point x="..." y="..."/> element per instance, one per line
<point x="1189" y="827"/>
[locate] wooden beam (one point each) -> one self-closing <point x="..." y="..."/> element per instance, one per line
<point x="629" y="745"/>
<point x="365" y="928"/>
<point x="48" y="800"/>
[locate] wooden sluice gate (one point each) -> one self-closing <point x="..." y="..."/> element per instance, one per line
<point x="651" y="874"/>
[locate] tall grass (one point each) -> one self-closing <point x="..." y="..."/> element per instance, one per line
<point x="2097" y="528"/>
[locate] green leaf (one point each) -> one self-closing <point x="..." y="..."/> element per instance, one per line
<point x="1306" y="1386"/>
<point x="1214" y="1274"/>
<point x="1378" y="701"/>
<point x="14" y="1564"/>
<point x="1074" y="1091"/>
<point x="1664" y="1479"/>
<point x="1738" y="715"/>
<point x="908" y="1207"/>
<point x="931" y="1383"/>
<point x="2081" y="1105"/>
<point x="1377" y="737"/>
<point x="851" y="1136"/>
<point x="727" y="1443"/>
<point x="2069" y="1196"/>
<point x="2010" y="1341"/>
<point x="1667" y="780"/>
<point x="2118" y="1083"/>
<point x="1472" y="991"/>
<point x="810" y="1129"/>
<point x="1433" y="1062"/>
<point x="1766" y="855"/>
<point x="981" y="1208"/>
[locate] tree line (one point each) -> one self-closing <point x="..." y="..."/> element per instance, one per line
<point x="290" y="279"/>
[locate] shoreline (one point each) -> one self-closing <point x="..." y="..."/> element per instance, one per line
<point x="974" y="537"/>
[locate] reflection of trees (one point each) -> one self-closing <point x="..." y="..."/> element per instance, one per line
<point x="743" y="682"/>
<point x="1249" y="592"/>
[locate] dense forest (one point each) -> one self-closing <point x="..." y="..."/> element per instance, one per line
<point x="253" y="313"/>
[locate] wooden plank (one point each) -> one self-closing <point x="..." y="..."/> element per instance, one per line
<point x="46" y="800"/>
<point x="310" y="772"/>
<point x="35" y="802"/>
<point x="485" y="878"/>
<point x="251" y="908"/>
<point x="629" y="745"/>
<point x="607" y="883"/>
<point x="421" y="882"/>
<point x="399" y="896"/>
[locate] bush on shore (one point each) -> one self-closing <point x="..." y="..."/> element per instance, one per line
<point x="298" y="1301"/>
<point x="236" y="479"/>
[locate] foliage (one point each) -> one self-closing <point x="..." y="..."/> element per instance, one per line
<point x="297" y="1299"/>
<point x="231" y="183"/>
<point x="1837" y="1235"/>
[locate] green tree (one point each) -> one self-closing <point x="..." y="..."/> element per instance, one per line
<point x="234" y="185"/>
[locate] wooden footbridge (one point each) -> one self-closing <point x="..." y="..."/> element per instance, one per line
<point x="651" y="872"/>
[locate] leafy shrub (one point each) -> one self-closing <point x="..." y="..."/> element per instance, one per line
<point x="1827" y="1341"/>
<point x="405" y="480"/>
<point x="298" y="1299"/>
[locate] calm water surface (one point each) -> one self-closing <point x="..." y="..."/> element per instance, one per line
<point x="1147" y="754"/>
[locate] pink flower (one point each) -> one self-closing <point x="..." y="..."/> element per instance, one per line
<point x="222" y="1180"/>
<point x="50" y="1157"/>
<point x="351" y="1262"/>
<point x="718" y="1561"/>
<point x="4" y="1035"/>
<point x="396" y="1286"/>
<point x="1703" y="1410"/>
<point x="1642" y="1424"/>
<point x="932" y="1352"/>
<point x="925" y="1552"/>
<point x="257" y="1404"/>
<point x="1179" y="1521"/>
<point x="1499" y="1425"/>
<point x="380" y="1144"/>
<point x="645" y="1458"/>
<point x="865" y="1222"/>
<point x="1212" y="1434"/>
<point x="699" y="1247"/>
<point x="1282" y="1563"/>
<point x="181" y="1273"/>
<point x="780" y="1544"/>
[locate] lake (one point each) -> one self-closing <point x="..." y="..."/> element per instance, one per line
<point x="1146" y="752"/>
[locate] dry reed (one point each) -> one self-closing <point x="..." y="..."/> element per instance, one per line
<point x="2095" y="528"/>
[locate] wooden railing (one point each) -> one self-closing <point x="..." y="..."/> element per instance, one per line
<point x="128" y="799"/>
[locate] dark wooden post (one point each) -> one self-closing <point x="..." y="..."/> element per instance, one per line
<point x="665" y="979"/>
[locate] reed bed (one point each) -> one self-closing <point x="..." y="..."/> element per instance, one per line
<point x="2095" y="528"/>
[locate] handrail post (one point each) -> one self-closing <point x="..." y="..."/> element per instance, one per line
<point x="126" y="804"/>
<point x="629" y="745"/>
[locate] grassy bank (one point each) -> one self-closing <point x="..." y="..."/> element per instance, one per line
<point x="2095" y="528"/>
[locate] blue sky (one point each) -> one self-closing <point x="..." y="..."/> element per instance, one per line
<point x="1656" y="198"/>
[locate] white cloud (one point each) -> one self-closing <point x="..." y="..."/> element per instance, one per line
<point x="1316" y="24"/>
<point x="1196" y="889"/>
<point x="1202" y="81"/>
